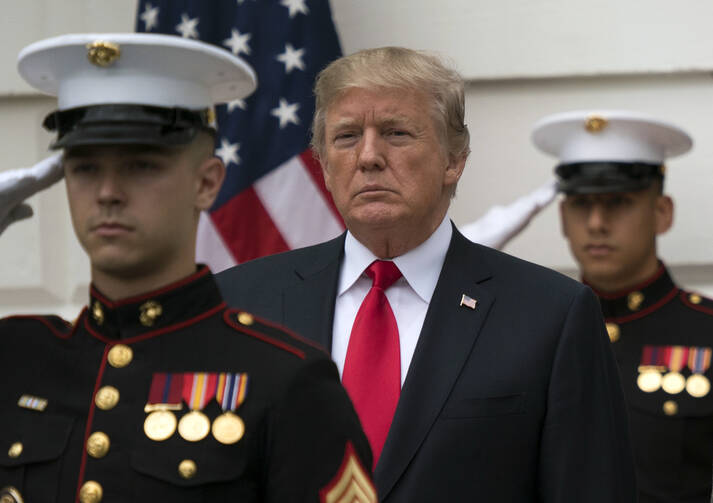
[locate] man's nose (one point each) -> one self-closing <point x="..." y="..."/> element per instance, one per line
<point x="371" y="151"/>
<point x="597" y="220"/>
<point x="110" y="189"/>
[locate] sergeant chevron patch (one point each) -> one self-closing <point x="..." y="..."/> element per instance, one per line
<point x="351" y="484"/>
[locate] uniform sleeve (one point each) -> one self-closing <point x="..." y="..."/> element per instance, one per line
<point x="585" y="451"/>
<point x="317" y="451"/>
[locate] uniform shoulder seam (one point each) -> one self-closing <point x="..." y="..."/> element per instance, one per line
<point x="45" y="320"/>
<point x="686" y="300"/>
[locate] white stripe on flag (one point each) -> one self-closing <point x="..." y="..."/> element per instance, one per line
<point x="296" y="205"/>
<point x="210" y="248"/>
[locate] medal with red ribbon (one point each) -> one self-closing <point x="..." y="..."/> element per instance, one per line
<point x="675" y="357"/>
<point x="652" y="364"/>
<point x="164" y="397"/>
<point x="198" y="390"/>
<point x="699" y="360"/>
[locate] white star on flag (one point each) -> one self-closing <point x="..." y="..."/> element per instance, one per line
<point x="228" y="152"/>
<point x="187" y="27"/>
<point x="150" y="17"/>
<point x="292" y="58"/>
<point x="286" y="112"/>
<point x="232" y="105"/>
<point x="238" y="42"/>
<point x="295" y="7"/>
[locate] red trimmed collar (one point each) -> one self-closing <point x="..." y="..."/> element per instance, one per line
<point x="153" y="311"/>
<point x="639" y="300"/>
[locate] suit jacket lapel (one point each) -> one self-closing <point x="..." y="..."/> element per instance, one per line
<point x="309" y="301"/>
<point x="447" y="338"/>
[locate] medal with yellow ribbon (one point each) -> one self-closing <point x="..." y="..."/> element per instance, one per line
<point x="228" y="428"/>
<point x="650" y="369"/>
<point x="198" y="390"/>
<point x="675" y="357"/>
<point x="699" y="360"/>
<point x="164" y="397"/>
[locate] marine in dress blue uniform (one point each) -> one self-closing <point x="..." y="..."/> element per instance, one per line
<point x="612" y="171"/>
<point x="165" y="394"/>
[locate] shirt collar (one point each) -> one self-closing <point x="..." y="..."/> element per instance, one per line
<point x="421" y="266"/>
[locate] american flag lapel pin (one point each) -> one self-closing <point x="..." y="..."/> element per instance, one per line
<point x="467" y="301"/>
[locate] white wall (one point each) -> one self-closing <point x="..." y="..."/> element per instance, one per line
<point x="522" y="59"/>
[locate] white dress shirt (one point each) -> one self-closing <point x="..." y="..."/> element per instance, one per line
<point x="409" y="296"/>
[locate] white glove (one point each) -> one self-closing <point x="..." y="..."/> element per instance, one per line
<point x="16" y="185"/>
<point x="502" y="223"/>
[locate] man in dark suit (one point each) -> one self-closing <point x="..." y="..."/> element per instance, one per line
<point x="477" y="376"/>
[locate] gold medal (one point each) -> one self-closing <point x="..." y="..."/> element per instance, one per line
<point x="673" y="383"/>
<point x="160" y="425"/>
<point x="228" y="428"/>
<point x="649" y="381"/>
<point x="194" y="426"/>
<point x="698" y="385"/>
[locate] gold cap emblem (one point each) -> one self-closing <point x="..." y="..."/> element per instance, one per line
<point x="98" y="312"/>
<point x="102" y="53"/>
<point x="595" y="123"/>
<point x="149" y="312"/>
<point x="634" y="300"/>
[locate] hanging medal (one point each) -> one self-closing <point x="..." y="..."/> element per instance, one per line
<point x="198" y="390"/>
<point x="675" y="357"/>
<point x="699" y="359"/>
<point x="650" y="369"/>
<point x="164" y="397"/>
<point x="228" y="428"/>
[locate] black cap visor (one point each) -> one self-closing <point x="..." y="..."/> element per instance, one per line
<point x="126" y="125"/>
<point x="606" y="177"/>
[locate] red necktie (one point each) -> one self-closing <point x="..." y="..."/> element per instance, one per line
<point x="372" y="370"/>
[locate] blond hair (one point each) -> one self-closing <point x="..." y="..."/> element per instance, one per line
<point x="401" y="68"/>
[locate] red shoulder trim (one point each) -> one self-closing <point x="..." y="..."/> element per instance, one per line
<point x="144" y="296"/>
<point x="697" y="307"/>
<point x="43" y="320"/>
<point x="265" y="338"/>
<point x="292" y="334"/>
<point x="653" y="307"/>
<point x="160" y="331"/>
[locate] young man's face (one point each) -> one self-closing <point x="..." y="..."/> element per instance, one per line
<point x="613" y="236"/>
<point x="135" y="209"/>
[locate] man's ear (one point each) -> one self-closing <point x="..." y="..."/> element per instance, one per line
<point x="454" y="169"/>
<point x="664" y="213"/>
<point x="209" y="178"/>
<point x="563" y="225"/>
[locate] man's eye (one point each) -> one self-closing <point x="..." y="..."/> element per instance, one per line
<point x="142" y="166"/>
<point x="397" y="133"/>
<point x="82" y="168"/>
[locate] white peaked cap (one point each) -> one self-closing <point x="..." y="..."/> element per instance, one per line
<point x="609" y="136"/>
<point x="148" y="69"/>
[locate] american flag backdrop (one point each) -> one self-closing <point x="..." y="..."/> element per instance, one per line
<point x="273" y="198"/>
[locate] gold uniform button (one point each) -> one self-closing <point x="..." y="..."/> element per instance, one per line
<point x="187" y="469"/>
<point x="694" y="298"/>
<point x="107" y="397"/>
<point x="670" y="408"/>
<point x="120" y="356"/>
<point x="91" y="492"/>
<point x="15" y="450"/>
<point x="246" y="319"/>
<point x="613" y="331"/>
<point x="9" y="494"/>
<point x="98" y="444"/>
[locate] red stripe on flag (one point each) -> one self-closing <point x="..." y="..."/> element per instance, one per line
<point x="315" y="171"/>
<point x="247" y="229"/>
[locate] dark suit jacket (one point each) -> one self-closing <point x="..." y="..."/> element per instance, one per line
<point x="517" y="400"/>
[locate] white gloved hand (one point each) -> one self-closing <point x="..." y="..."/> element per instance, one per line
<point x="16" y="185"/>
<point x="502" y="223"/>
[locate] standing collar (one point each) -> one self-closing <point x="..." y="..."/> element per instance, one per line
<point x="639" y="300"/>
<point x="421" y="266"/>
<point x="156" y="311"/>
